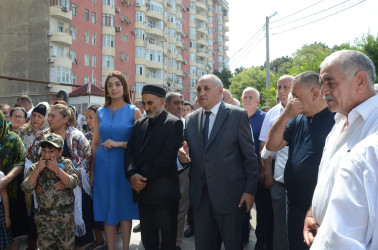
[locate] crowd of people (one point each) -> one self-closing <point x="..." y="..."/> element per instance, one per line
<point x="309" y="164"/>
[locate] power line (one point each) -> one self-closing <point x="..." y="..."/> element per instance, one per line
<point x="252" y="38"/>
<point x="319" y="18"/>
<point x="244" y="55"/>
<point x="292" y="14"/>
<point x="316" y="13"/>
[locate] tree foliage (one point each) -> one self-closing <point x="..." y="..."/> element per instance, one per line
<point x="309" y="58"/>
<point x="225" y="76"/>
<point x="368" y="45"/>
<point x="252" y="77"/>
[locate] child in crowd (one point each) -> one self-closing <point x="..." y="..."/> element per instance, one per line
<point x="57" y="177"/>
<point x="5" y="222"/>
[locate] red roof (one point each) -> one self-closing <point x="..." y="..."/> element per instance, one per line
<point x="83" y="90"/>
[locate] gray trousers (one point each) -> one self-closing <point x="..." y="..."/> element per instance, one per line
<point x="278" y="194"/>
<point x="183" y="204"/>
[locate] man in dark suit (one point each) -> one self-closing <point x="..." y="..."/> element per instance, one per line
<point x="223" y="173"/>
<point x="151" y="167"/>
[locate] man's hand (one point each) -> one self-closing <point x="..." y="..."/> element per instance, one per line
<point x="42" y="164"/>
<point x="138" y="182"/>
<point x="248" y="199"/>
<point x="293" y="108"/>
<point x="310" y="230"/>
<point x="183" y="153"/>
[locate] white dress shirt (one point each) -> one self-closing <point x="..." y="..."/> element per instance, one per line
<point x="351" y="220"/>
<point x="213" y="115"/>
<point x="281" y="155"/>
<point x="362" y="121"/>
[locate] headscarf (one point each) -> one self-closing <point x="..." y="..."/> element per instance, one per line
<point x="12" y="153"/>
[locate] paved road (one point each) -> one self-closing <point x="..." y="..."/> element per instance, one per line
<point x="187" y="243"/>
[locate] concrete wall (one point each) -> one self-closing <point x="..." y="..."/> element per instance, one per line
<point x="24" y="49"/>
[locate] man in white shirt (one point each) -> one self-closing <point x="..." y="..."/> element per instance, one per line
<point x="276" y="182"/>
<point x="354" y="201"/>
<point x="348" y="87"/>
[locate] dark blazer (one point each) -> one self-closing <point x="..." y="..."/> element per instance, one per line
<point x="228" y="162"/>
<point x="155" y="158"/>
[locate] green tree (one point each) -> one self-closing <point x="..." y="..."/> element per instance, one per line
<point x="252" y="77"/>
<point x="238" y="70"/>
<point x="309" y="58"/>
<point x="369" y="46"/>
<point x="269" y="95"/>
<point x="280" y="65"/>
<point x="225" y="76"/>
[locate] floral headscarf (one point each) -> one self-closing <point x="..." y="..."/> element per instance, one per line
<point x="12" y="153"/>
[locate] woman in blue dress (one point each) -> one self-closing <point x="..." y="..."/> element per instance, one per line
<point x="112" y="195"/>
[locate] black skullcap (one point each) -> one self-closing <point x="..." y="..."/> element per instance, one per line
<point x="153" y="89"/>
<point x="41" y="109"/>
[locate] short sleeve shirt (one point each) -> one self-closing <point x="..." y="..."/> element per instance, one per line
<point x="256" y="120"/>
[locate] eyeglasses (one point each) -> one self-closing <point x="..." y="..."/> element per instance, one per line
<point x="18" y="117"/>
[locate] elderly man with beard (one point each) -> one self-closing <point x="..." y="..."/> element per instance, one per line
<point x="150" y="165"/>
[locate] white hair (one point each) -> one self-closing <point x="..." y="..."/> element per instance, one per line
<point x="350" y="62"/>
<point x="254" y="90"/>
<point x="212" y="77"/>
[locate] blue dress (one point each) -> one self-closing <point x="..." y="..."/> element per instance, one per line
<point x="112" y="195"/>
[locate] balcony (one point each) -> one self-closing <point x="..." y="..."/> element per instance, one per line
<point x="179" y="58"/>
<point x="62" y="62"/>
<point x="154" y="65"/>
<point x="107" y="9"/>
<point x="178" y="2"/>
<point x="201" y="41"/>
<point x="201" y="53"/>
<point x="226" y="48"/>
<point x="201" y="17"/>
<point x="61" y="13"/>
<point x="108" y="51"/>
<point x="155" y="31"/>
<point x="226" y="18"/>
<point x="202" y="30"/>
<point x="201" y="5"/>
<point x="154" y="14"/>
<point x="179" y="44"/>
<point x="61" y="38"/>
<point x="226" y="38"/>
<point x="226" y="28"/>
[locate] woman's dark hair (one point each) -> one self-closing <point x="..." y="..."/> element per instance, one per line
<point x="19" y="108"/>
<point x="93" y="108"/>
<point x="126" y="93"/>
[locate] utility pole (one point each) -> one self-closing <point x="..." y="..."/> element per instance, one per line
<point x="267" y="66"/>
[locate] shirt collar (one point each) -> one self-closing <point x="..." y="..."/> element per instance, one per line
<point x="363" y="110"/>
<point x="214" y="110"/>
<point x="258" y="111"/>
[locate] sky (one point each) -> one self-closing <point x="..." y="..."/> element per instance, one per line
<point x="247" y="17"/>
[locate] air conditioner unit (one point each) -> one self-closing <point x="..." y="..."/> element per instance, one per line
<point x="137" y="4"/>
<point x="50" y="60"/>
<point x="117" y="9"/>
<point x="118" y="28"/>
<point x="133" y="32"/>
<point x="169" y="4"/>
<point x="65" y="9"/>
<point x="184" y="8"/>
<point x="48" y="33"/>
<point x="123" y="19"/>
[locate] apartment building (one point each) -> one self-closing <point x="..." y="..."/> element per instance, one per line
<point x="171" y="43"/>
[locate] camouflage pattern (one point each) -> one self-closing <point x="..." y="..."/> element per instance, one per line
<point x="51" y="198"/>
<point x="56" y="231"/>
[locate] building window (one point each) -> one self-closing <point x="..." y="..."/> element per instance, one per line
<point x="60" y="74"/>
<point x="154" y="55"/>
<point x="192" y="18"/>
<point x="93" y="17"/>
<point x="172" y="47"/>
<point x="94" y="61"/>
<point x="192" y="43"/>
<point x="193" y="83"/>
<point x="74" y="9"/>
<point x="108" y="62"/>
<point x="86" y="37"/>
<point x="219" y="18"/>
<point x="86" y="59"/>
<point x="124" y="56"/>
<point x="60" y="27"/>
<point x="126" y="75"/>
<point x="171" y="32"/>
<point x="61" y="52"/>
<point x="140" y="69"/>
<point x="73" y="33"/>
<point x="210" y="31"/>
<point x="138" y="87"/>
<point x="193" y="70"/>
<point x="93" y="39"/>
<point x="140" y="16"/>
<point x="192" y="30"/>
<point x="220" y="48"/>
<point x="93" y="80"/>
<point x="139" y="34"/>
<point x="154" y="6"/>
<point x="86" y="79"/>
<point x="139" y="52"/>
<point x="73" y="78"/>
<point x="193" y="96"/>
<point x="192" y="5"/>
<point x="86" y="15"/>
<point x="108" y="2"/>
<point x="220" y="39"/>
<point x="192" y="56"/>
<point x="210" y="41"/>
<point x="124" y="37"/>
<point x="107" y="20"/>
<point x="108" y="41"/>
<point x="172" y="62"/>
<point x="171" y="18"/>
<point x="73" y="56"/>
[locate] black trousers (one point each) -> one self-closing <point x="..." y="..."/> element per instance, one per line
<point x="190" y="217"/>
<point x="155" y="218"/>
<point x="294" y="222"/>
<point x="212" y="228"/>
<point x="265" y="218"/>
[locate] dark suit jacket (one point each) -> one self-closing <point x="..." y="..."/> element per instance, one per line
<point x="155" y="158"/>
<point x="229" y="158"/>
